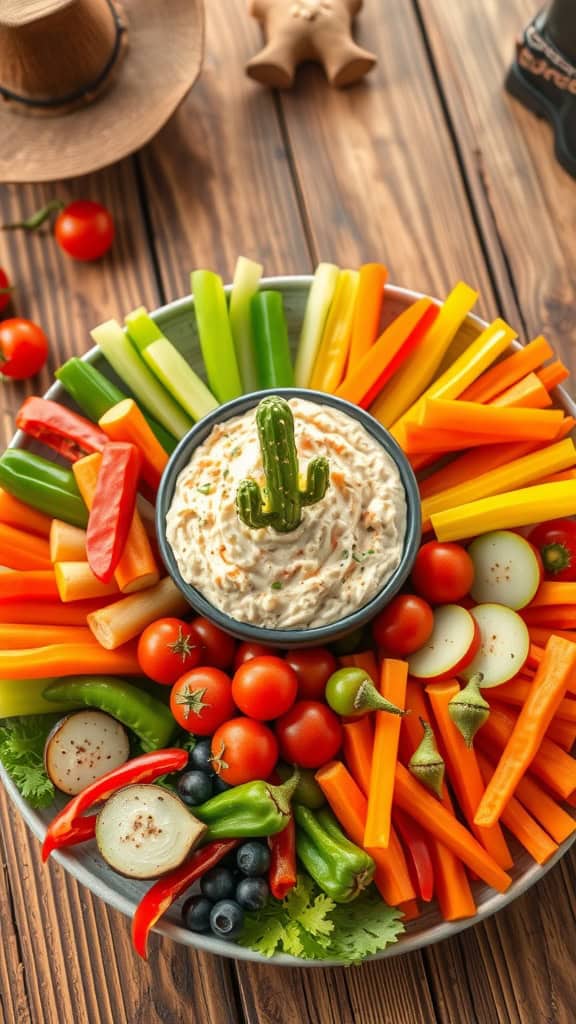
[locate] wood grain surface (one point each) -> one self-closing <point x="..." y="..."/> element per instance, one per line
<point x="429" y="166"/>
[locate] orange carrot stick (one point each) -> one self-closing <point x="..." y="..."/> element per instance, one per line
<point x="521" y="824"/>
<point x="517" y="692"/>
<point x="367" y="311"/>
<point x="16" y="636"/>
<point x="28" y="585"/>
<point x="46" y="613"/>
<point x="554" y="478"/>
<point x="366" y="660"/>
<point x="553" y="593"/>
<point x="474" y="418"/>
<point x="434" y="441"/>
<point x="473" y="463"/>
<point x="21" y="550"/>
<point x="561" y="732"/>
<point x="553" y="374"/>
<point x="125" y="422"/>
<point x="528" y="393"/>
<point x="358" y="745"/>
<point x="17" y="513"/>
<point x="539" y="634"/>
<point x="68" y="660"/>
<point x="67" y="542"/>
<point x="77" y="582"/>
<point x="393" y="678"/>
<point x="509" y="371"/>
<point x="559" y="616"/>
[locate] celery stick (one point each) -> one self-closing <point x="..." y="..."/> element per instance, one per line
<point x="215" y="335"/>
<point x="25" y="698"/>
<point x="169" y="366"/>
<point x="122" y="356"/>
<point x="273" y="363"/>
<point x="245" y="285"/>
<point x="317" y="308"/>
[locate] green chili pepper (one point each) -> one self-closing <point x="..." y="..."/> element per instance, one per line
<point x="43" y="485"/>
<point x="350" y="692"/>
<point x="144" y="715"/>
<point x="341" y="869"/>
<point x="308" y="792"/>
<point x="250" y="810"/>
<point x="271" y="347"/>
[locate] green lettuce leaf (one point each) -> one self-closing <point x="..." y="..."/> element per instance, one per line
<point x="22" y="755"/>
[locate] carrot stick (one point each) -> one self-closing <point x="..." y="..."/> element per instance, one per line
<point x="463" y="771"/>
<point x="350" y="808"/>
<point x="137" y="567"/>
<point x="427" y="441"/>
<point x="67" y="543"/>
<point x="368" y="309"/>
<point x="358" y="745"/>
<point x="528" y="393"/>
<point x="123" y="620"/>
<point x="28" y="585"/>
<point x="18" y="635"/>
<point x="473" y="463"/>
<point x="562" y="733"/>
<point x="21" y="550"/>
<point x="553" y="374"/>
<point x="68" y="660"/>
<point x="125" y="422"/>
<point x="539" y="634"/>
<point x="562" y="616"/>
<point x="77" y="582"/>
<point x="393" y="678"/>
<point x="474" y="418"/>
<point x="46" y="613"/>
<point x="410" y="910"/>
<point x="517" y="691"/>
<point x="521" y="824"/>
<point x="17" y="513"/>
<point x="509" y="371"/>
<point x="554" y="592"/>
<point x="554" y="478"/>
<point x="366" y="660"/>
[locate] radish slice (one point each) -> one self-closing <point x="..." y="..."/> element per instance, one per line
<point x="507" y="569"/>
<point x="145" y="831"/>
<point x="504" y="644"/>
<point x="82" y="747"/>
<point x="454" y="641"/>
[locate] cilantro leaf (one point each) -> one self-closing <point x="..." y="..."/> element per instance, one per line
<point x="22" y="755"/>
<point x="364" y="926"/>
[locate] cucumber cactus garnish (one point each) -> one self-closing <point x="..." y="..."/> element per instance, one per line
<point x="280" y="503"/>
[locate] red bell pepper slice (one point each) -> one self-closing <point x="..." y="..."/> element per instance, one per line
<point x="282" y="876"/>
<point x="167" y="889"/>
<point x="416" y="846"/>
<point x="59" y="428"/>
<point x="411" y="343"/>
<point x="83" y="829"/>
<point x="145" y="768"/>
<point x="112" y="508"/>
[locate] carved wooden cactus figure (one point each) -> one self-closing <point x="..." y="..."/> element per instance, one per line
<point x="281" y="505"/>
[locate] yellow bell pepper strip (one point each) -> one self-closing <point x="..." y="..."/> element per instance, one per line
<point x="404" y="335"/>
<point x="168" y="365"/>
<point x="509" y="371"/>
<point x="420" y="369"/>
<point x="318" y="305"/>
<point x="368" y="310"/>
<point x="508" y="424"/>
<point x="393" y="679"/>
<point x="244" y="287"/>
<point x="332" y="355"/>
<point x="523" y="471"/>
<point x="507" y="511"/>
<point x="26" y="698"/>
<point x="215" y="335"/>
<point x="528" y="393"/>
<point x="271" y="346"/>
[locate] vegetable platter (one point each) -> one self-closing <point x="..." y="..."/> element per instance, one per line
<point x="425" y="698"/>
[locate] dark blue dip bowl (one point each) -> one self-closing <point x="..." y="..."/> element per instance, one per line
<point x="288" y="638"/>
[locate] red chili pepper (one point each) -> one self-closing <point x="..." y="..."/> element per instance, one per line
<point x="419" y="857"/>
<point x="282" y="875"/>
<point x="59" y="428"/>
<point x="112" y="507"/>
<point x="83" y="830"/>
<point x="167" y="889"/>
<point x="145" y="768"/>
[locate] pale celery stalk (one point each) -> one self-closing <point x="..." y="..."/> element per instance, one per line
<point x="244" y="287"/>
<point x="25" y="698"/>
<point x="215" y="335"/>
<point x="317" y="308"/>
<point x="123" y="358"/>
<point x="169" y="365"/>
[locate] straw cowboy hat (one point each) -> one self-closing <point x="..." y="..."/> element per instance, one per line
<point x="85" y="82"/>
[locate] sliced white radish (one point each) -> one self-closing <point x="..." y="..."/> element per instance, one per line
<point x="144" y="831"/>
<point x="454" y="641"/>
<point x="82" y="747"/>
<point x="507" y="569"/>
<point x="504" y="644"/>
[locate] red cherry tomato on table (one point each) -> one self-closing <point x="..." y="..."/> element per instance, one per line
<point x="264" y="688"/>
<point x="556" y="543"/>
<point x="442" y="573"/>
<point x="246" y="651"/>
<point x="23" y="348"/>
<point x="4" y="290"/>
<point x="313" y="667"/>
<point x="309" y="734"/>
<point x="404" y="625"/>
<point x="84" y="230"/>
<point x="244" y="750"/>
<point x="201" y="700"/>
<point x="166" y="649"/>
<point x="220" y="647"/>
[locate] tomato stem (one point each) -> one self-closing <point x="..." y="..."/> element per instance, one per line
<point x="35" y="221"/>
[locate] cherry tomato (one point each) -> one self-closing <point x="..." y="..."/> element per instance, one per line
<point x="264" y="688"/>
<point x="201" y="700"/>
<point x="313" y="666"/>
<point x="23" y="348"/>
<point x="244" y="750"/>
<point x="442" y="573"/>
<point x="556" y="543"/>
<point x="220" y="647"/>
<point x="166" y="649"/>
<point x="84" y="230"/>
<point x="4" y="290"/>
<point x="309" y="734"/>
<point x="404" y="625"/>
<point x="246" y="651"/>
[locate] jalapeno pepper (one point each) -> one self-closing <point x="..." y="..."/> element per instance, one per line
<point x="341" y="869"/>
<point x="250" y="810"/>
<point x="59" y="428"/>
<point x="43" y="485"/>
<point x="112" y="508"/>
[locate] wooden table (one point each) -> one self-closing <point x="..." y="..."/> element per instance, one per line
<point x="429" y="167"/>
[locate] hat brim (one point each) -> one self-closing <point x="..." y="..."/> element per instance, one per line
<point x="162" y="62"/>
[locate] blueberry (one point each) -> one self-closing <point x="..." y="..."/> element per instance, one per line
<point x="226" y="919"/>
<point x="196" y="913"/>
<point x="253" y="859"/>
<point x="218" y="883"/>
<point x="252" y="893"/>
<point x="220" y="786"/>
<point x="200" y="757"/>
<point x="195" y="787"/>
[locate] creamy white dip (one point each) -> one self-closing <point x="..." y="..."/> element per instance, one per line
<point x="344" y="550"/>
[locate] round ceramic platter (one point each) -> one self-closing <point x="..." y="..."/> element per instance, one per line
<point x="84" y="863"/>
